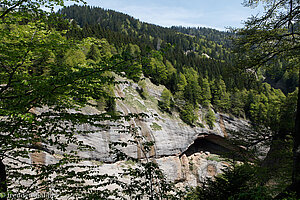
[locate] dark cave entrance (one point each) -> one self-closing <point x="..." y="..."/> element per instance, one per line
<point x="215" y="144"/>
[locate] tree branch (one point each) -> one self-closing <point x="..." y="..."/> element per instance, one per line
<point x="11" y="8"/>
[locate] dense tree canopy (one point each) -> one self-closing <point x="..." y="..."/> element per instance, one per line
<point x="266" y="39"/>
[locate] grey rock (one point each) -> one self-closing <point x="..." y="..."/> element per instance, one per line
<point x="172" y="137"/>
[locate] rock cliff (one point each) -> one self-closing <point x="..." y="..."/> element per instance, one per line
<point x="187" y="155"/>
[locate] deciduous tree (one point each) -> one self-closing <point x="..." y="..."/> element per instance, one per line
<point x="273" y="35"/>
<point x="41" y="101"/>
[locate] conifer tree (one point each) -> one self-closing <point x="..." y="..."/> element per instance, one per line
<point x="205" y="92"/>
<point x="210" y="118"/>
<point x="188" y="114"/>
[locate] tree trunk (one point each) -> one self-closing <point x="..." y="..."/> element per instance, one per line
<point x="3" y="185"/>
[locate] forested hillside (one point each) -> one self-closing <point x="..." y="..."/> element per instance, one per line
<point x="195" y="64"/>
<point x="120" y="29"/>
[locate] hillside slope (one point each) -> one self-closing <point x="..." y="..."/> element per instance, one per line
<point x="182" y="46"/>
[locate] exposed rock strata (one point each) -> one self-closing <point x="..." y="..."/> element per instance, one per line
<point x="177" y="149"/>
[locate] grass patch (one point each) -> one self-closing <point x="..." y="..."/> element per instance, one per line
<point x="133" y="101"/>
<point x="154" y="126"/>
<point x="98" y="163"/>
<point x="130" y="162"/>
<point x="214" y="158"/>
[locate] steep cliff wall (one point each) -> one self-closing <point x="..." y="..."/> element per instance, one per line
<point x="186" y="154"/>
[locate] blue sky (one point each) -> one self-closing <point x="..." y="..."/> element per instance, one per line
<point x="217" y="14"/>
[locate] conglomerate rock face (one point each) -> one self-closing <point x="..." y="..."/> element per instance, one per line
<point x="187" y="155"/>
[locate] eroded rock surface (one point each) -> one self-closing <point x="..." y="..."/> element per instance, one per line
<point x="178" y="148"/>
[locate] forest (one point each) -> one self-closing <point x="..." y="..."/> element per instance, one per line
<point x="65" y="59"/>
<point x="195" y="64"/>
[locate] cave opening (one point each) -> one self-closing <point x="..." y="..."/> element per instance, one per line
<point x="215" y="144"/>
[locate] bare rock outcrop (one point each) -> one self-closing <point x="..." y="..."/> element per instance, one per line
<point x="187" y="155"/>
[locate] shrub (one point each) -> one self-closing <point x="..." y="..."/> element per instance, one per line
<point x="237" y="183"/>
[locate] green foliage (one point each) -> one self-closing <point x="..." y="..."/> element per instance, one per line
<point x="282" y="75"/>
<point x="110" y="105"/>
<point x="214" y="158"/>
<point x="220" y="98"/>
<point x="143" y="89"/>
<point x="182" y="68"/>
<point x="238" y="100"/>
<point x="74" y="57"/>
<point x="166" y="100"/>
<point x="288" y="115"/>
<point x="158" y="70"/>
<point x="134" y="66"/>
<point x="188" y="115"/>
<point x="179" y="95"/>
<point x="35" y="106"/>
<point x="210" y="118"/>
<point x="181" y="82"/>
<point x="155" y="127"/>
<point x="266" y="41"/>
<point x="179" y="50"/>
<point x="205" y="92"/>
<point x="264" y="108"/>
<point x="44" y="67"/>
<point x="93" y="53"/>
<point x="134" y="70"/>
<point x="237" y="183"/>
<point x="192" y="89"/>
<point x="45" y="84"/>
<point x="132" y="50"/>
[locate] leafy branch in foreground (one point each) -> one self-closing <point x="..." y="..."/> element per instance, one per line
<point x="267" y="38"/>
